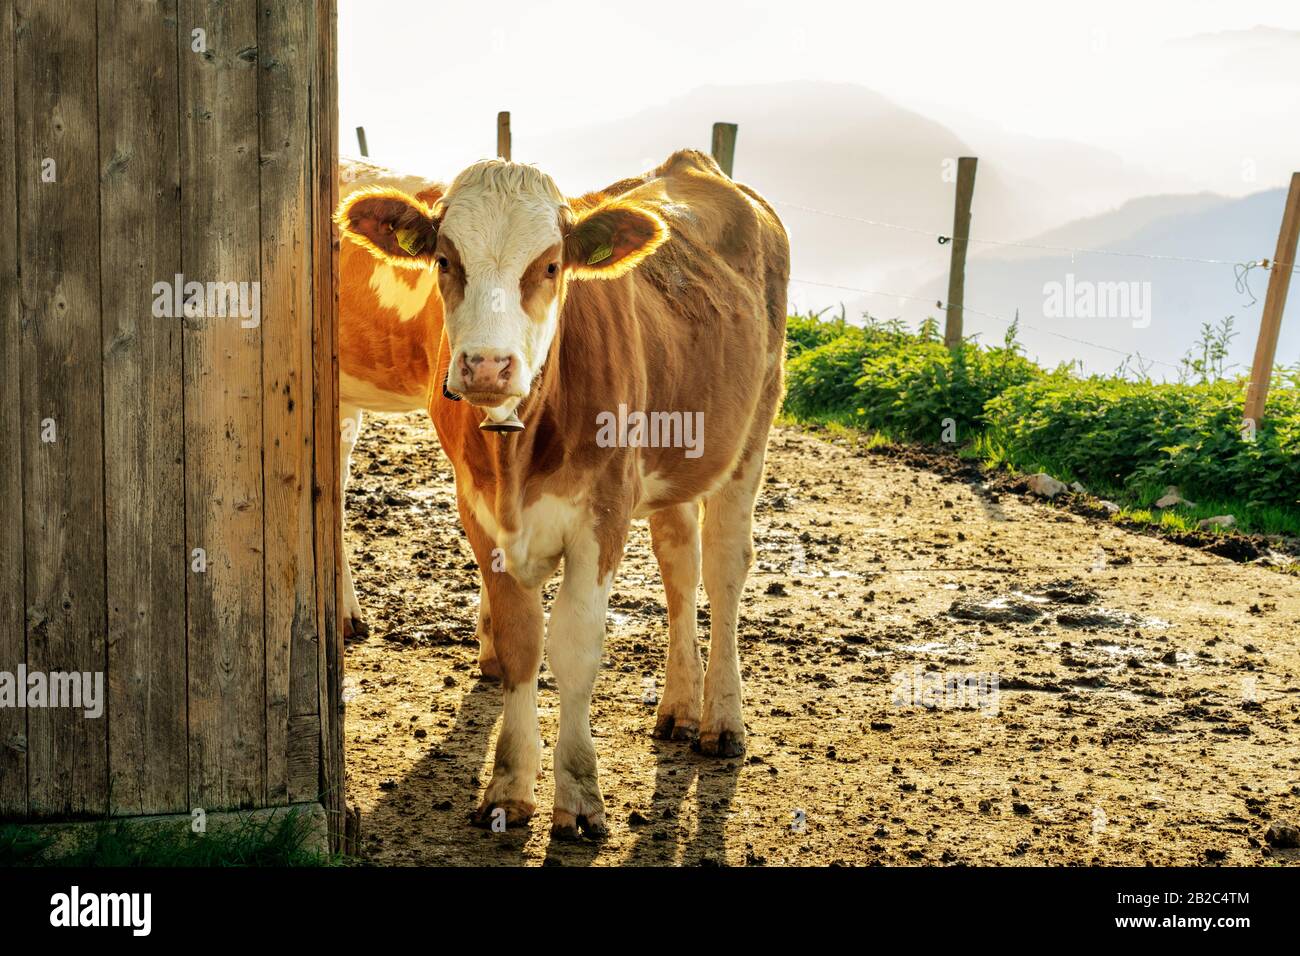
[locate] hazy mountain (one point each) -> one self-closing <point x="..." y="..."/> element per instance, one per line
<point x="852" y="155"/>
<point x="846" y="150"/>
<point x="1182" y="295"/>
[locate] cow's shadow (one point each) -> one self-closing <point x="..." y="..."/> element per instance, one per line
<point x="663" y="838"/>
<point x="428" y="812"/>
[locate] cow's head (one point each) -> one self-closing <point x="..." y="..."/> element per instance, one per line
<point x="504" y="242"/>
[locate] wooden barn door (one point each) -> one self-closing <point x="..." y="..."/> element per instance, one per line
<point x="169" y="500"/>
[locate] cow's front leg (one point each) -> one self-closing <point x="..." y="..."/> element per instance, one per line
<point x="515" y="623"/>
<point x="487" y="654"/>
<point x="517" y="639"/>
<point x="575" y="635"/>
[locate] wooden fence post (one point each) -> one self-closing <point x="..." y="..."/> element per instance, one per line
<point x="1270" y="321"/>
<point x="724" y="145"/>
<point x="503" y="135"/>
<point x="361" y="141"/>
<point x="952" y="330"/>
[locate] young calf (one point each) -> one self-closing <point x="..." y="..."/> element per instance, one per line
<point x="594" y="343"/>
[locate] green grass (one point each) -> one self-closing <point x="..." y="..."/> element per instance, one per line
<point x="279" y="841"/>
<point x="1125" y="440"/>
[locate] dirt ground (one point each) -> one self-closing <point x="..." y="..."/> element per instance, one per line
<point x="1146" y="707"/>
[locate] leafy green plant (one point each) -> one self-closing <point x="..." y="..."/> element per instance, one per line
<point x="1122" y="435"/>
<point x="1205" y="362"/>
<point x="906" y="385"/>
<point x="1138" y="435"/>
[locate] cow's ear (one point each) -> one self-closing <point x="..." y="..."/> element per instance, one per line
<point x="612" y="238"/>
<point x="391" y="224"/>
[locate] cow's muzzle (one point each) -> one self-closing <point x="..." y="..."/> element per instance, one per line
<point x="510" y="424"/>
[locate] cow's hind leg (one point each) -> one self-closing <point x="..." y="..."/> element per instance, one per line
<point x="728" y="538"/>
<point x="575" y="635"/>
<point x="675" y="536"/>
<point x="349" y="431"/>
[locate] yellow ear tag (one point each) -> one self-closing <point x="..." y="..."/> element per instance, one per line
<point x="410" y="240"/>
<point x="601" y="254"/>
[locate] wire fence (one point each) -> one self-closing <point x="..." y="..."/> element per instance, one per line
<point x="1242" y="269"/>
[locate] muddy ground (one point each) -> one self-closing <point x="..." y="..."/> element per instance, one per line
<point x="1146" y="709"/>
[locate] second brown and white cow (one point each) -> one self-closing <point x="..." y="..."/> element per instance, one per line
<point x="580" y="333"/>
<point x="390" y="321"/>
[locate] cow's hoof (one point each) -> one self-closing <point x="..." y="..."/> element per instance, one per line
<point x="724" y="744"/>
<point x="490" y="668"/>
<point x="354" y="627"/>
<point x="569" y="826"/>
<point x="513" y="812"/>
<point x="668" y="727"/>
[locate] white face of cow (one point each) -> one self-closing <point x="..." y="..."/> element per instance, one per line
<point x="500" y="261"/>
<point x="504" y="241"/>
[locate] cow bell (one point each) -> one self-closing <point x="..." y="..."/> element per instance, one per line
<point x="511" y="424"/>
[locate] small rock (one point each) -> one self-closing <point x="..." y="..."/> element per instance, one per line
<point x="1173" y="497"/>
<point x="1218" y="521"/>
<point x="1109" y="507"/>
<point x="1283" y="837"/>
<point x="1045" y="486"/>
<point x="1077" y="488"/>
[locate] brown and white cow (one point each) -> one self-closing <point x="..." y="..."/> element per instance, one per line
<point x="390" y="327"/>
<point x="390" y="323"/>
<point x="660" y="296"/>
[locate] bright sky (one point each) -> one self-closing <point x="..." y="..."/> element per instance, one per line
<point x="426" y="79"/>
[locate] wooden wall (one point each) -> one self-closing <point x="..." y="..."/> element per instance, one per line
<point x="213" y="157"/>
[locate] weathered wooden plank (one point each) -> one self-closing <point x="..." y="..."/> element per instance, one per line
<point x="13" y="649"/>
<point x="62" y="397"/>
<point x="329" y="546"/>
<point x="223" y="406"/>
<point x="144" y="492"/>
<point x="304" y="757"/>
<point x="285" y="65"/>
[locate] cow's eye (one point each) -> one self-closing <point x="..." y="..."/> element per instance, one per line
<point x="553" y="269"/>
<point x="443" y="263"/>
